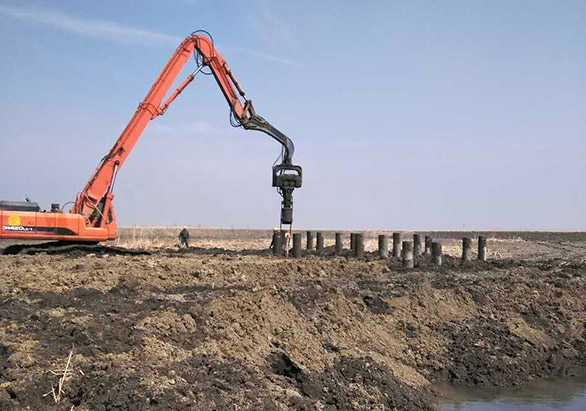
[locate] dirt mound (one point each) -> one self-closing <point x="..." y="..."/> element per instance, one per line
<point x="224" y="331"/>
<point x="481" y="352"/>
<point x="350" y="383"/>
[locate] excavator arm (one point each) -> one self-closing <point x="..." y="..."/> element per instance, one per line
<point x="94" y="202"/>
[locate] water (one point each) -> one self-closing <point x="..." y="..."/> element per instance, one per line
<point x="566" y="394"/>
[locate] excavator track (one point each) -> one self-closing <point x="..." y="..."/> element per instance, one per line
<point x="56" y="247"/>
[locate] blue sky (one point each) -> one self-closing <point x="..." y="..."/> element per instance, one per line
<point x="405" y="114"/>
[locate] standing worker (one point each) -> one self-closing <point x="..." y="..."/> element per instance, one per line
<point x="184" y="237"/>
<point x="275" y="230"/>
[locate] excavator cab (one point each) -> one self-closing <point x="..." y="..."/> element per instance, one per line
<point x="287" y="177"/>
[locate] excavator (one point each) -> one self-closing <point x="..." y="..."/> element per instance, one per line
<point x="91" y="219"/>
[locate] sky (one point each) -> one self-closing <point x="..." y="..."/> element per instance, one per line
<point x="453" y="114"/>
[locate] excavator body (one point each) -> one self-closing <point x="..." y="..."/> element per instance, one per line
<point x="25" y="221"/>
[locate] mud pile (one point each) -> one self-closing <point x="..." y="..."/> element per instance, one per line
<point x="216" y="331"/>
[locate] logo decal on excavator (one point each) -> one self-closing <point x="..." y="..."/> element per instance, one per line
<point x="16" y="228"/>
<point x="40" y="230"/>
<point x="13" y="220"/>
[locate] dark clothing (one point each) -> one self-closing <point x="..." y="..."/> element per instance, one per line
<point x="184" y="238"/>
<point x="273" y="239"/>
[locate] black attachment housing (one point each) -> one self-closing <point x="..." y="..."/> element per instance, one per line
<point x="287" y="177"/>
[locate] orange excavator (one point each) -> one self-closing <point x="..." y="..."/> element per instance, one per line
<point x="92" y="218"/>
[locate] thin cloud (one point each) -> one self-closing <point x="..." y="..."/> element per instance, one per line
<point x="265" y="56"/>
<point x="111" y="31"/>
<point x="195" y="127"/>
<point x="268" y="25"/>
<point x="96" y="29"/>
<point x="270" y="28"/>
<point x="277" y="26"/>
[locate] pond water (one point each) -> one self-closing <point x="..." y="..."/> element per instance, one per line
<point x="565" y="394"/>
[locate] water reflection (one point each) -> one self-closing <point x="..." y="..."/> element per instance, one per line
<point x="566" y="394"/>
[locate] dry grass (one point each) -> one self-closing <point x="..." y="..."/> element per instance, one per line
<point x="64" y="375"/>
<point x="158" y="238"/>
<point x="146" y="243"/>
<point x="165" y="238"/>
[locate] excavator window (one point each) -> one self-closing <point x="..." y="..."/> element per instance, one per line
<point x="96" y="215"/>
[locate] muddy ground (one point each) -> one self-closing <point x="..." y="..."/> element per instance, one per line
<point x="211" y="329"/>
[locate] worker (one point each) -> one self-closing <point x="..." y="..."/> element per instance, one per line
<point x="184" y="237"/>
<point x="275" y="231"/>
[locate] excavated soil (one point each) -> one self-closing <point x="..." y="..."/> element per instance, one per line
<point x="209" y="329"/>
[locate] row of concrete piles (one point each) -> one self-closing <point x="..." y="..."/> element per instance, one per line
<point x="408" y="251"/>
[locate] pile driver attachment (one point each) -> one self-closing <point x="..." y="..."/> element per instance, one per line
<point x="286" y="178"/>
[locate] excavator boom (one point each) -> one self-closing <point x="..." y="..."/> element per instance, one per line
<point x="92" y="217"/>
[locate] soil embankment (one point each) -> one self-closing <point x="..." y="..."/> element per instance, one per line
<point x="201" y="331"/>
